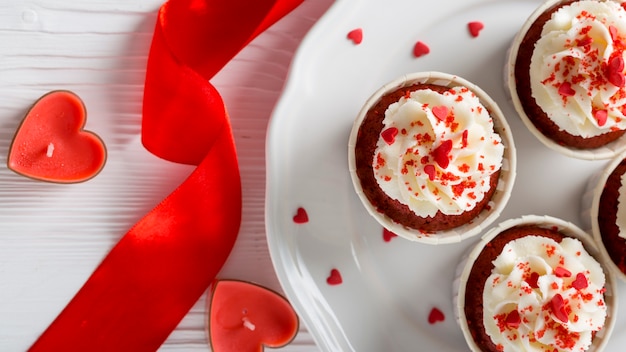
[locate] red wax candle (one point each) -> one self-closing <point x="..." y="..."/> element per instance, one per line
<point x="244" y="317"/>
<point x="51" y="144"/>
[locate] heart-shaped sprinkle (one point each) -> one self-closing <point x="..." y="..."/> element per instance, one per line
<point x="388" y="235"/>
<point x="513" y="319"/>
<point x="615" y="71"/>
<point x="566" y="90"/>
<point x="420" y="49"/>
<point x="436" y="316"/>
<point x="532" y="280"/>
<point x="389" y="135"/>
<point x="557" y="305"/>
<point x="356" y="36"/>
<point x="601" y="116"/>
<point x="440" y="154"/>
<point x="475" y="27"/>
<point x="560" y="271"/>
<point x="430" y="171"/>
<point x="245" y="317"/>
<point x="616" y="64"/>
<point x="617" y="79"/>
<point x="301" y="216"/>
<point x="440" y="112"/>
<point x="52" y="145"/>
<point x="580" y="282"/>
<point x="334" y="278"/>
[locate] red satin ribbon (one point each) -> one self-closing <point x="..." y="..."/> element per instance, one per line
<point x="161" y="267"/>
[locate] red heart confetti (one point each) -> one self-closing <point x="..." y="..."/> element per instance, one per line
<point x="513" y="319"/>
<point x="557" y="304"/>
<point x="475" y="27"/>
<point x="389" y="135"/>
<point x="51" y="143"/>
<point x="430" y="171"/>
<point x="245" y="317"/>
<point x="356" y="36"/>
<point x="388" y="235"/>
<point x="436" y="316"/>
<point x="334" y="278"/>
<point x="615" y="71"/>
<point x="617" y="79"/>
<point x="440" y="112"/>
<point x="560" y="271"/>
<point x="566" y="90"/>
<point x="601" y="116"/>
<point x="420" y="49"/>
<point x="580" y="282"/>
<point x="440" y="154"/>
<point x="301" y="216"/>
<point x="532" y="280"/>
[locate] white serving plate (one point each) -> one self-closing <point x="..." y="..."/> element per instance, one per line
<point x="389" y="288"/>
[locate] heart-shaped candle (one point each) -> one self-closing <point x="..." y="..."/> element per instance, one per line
<point x="245" y="317"/>
<point x="51" y="143"/>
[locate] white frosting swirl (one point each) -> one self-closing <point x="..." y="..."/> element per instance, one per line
<point x="522" y="310"/>
<point x="577" y="68"/>
<point x="621" y="207"/>
<point x="437" y="151"/>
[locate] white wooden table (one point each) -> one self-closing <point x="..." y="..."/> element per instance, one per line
<point x="53" y="236"/>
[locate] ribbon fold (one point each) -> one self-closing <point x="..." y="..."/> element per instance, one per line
<point x="159" y="269"/>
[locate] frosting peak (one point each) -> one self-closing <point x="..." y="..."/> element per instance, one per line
<point x="437" y="151"/>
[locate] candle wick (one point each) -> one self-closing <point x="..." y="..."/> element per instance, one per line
<point x="248" y="324"/>
<point x="50" y="150"/>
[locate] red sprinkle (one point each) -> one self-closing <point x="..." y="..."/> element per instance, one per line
<point x="436" y="315"/>
<point x="440" y="154"/>
<point x="617" y="79"/>
<point x="388" y="235"/>
<point x="475" y="27"/>
<point x="601" y="116"/>
<point x="557" y="304"/>
<point x="532" y="280"/>
<point x="440" y="112"/>
<point x="615" y="71"/>
<point x="301" y="216"/>
<point x="580" y="282"/>
<point x="565" y="89"/>
<point x="356" y="36"/>
<point x="562" y="272"/>
<point x="389" y="135"/>
<point x="614" y="32"/>
<point x="616" y="64"/>
<point x="420" y="49"/>
<point x="464" y="138"/>
<point x="334" y="278"/>
<point x="513" y="319"/>
<point x="430" y="171"/>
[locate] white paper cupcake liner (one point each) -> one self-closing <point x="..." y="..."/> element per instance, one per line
<point x="590" y="207"/>
<point x="507" y="174"/>
<point x="605" y="152"/>
<point x="466" y="263"/>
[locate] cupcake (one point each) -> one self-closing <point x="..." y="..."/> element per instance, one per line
<point x="432" y="158"/>
<point x="604" y="212"/>
<point x="535" y="284"/>
<point x="565" y="74"/>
